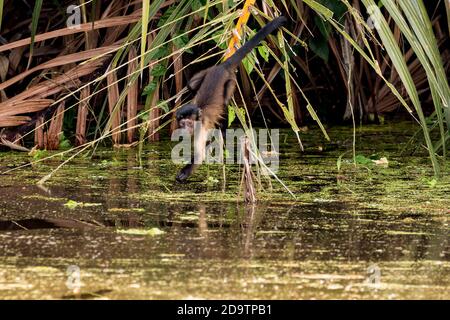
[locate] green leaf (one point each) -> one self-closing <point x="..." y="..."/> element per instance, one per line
<point x="64" y="143"/>
<point x="317" y="7"/>
<point x="181" y="41"/>
<point x="163" y="105"/>
<point x="196" y="5"/>
<point x="150" y="88"/>
<point x="320" y="47"/>
<point x="324" y="27"/>
<point x="166" y="15"/>
<point x="360" y="159"/>
<point x="161" y="52"/>
<point x="338" y="8"/>
<point x="71" y="204"/>
<point x="158" y="70"/>
<point x="39" y="154"/>
<point x="240" y="112"/>
<point x="264" y="53"/>
<point x="220" y="40"/>
<point x="143" y="116"/>
<point x="249" y="62"/>
<point x="432" y="183"/>
<point x="231" y="115"/>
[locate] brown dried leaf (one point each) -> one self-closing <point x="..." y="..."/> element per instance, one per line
<point x="59" y="61"/>
<point x="132" y="96"/>
<point x="12" y="121"/>
<point x="4" y="64"/>
<point x="26" y="106"/>
<point x="114" y="109"/>
<point x="104" y="23"/>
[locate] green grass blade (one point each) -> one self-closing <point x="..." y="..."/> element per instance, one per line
<point x="447" y="8"/>
<point x="396" y="56"/>
<point x="319" y="8"/>
<point x="1" y="13"/>
<point x="423" y="30"/>
<point x="93" y="9"/>
<point x="34" y="24"/>
<point x="144" y="30"/>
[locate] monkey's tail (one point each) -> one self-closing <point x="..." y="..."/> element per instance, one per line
<point x="240" y="54"/>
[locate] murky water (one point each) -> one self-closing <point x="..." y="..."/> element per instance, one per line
<point x="132" y="232"/>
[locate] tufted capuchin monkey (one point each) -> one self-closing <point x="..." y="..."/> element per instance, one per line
<point x="213" y="89"/>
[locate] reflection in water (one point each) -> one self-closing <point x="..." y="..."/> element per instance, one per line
<point x="202" y="223"/>
<point x="249" y="229"/>
<point x="320" y="231"/>
<point x="283" y="249"/>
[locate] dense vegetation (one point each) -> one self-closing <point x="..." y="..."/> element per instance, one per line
<point x="118" y="73"/>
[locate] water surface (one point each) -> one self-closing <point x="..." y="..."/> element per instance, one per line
<point x="355" y="233"/>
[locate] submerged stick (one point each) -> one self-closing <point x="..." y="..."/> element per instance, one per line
<point x="247" y="174"/>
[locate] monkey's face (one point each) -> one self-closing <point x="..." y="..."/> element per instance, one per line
<point x="186" y="117"/>
<point x="187" y="124"/>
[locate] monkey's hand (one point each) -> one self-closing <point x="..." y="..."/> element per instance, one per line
<point x="184" y="173"/>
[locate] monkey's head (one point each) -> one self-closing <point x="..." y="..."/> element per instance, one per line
<point x="187" y="115"/>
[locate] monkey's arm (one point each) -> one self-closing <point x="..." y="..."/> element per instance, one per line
<point x="200" y="144"/>
<point x="228" y="91"/>
<point x="195" y="82"/>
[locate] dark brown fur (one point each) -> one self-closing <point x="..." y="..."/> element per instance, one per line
<point x="214" y="88"/>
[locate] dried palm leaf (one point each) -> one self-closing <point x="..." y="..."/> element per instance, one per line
<point x="132" y="96"/>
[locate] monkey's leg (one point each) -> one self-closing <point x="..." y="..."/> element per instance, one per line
<point x="195" y="82"/>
